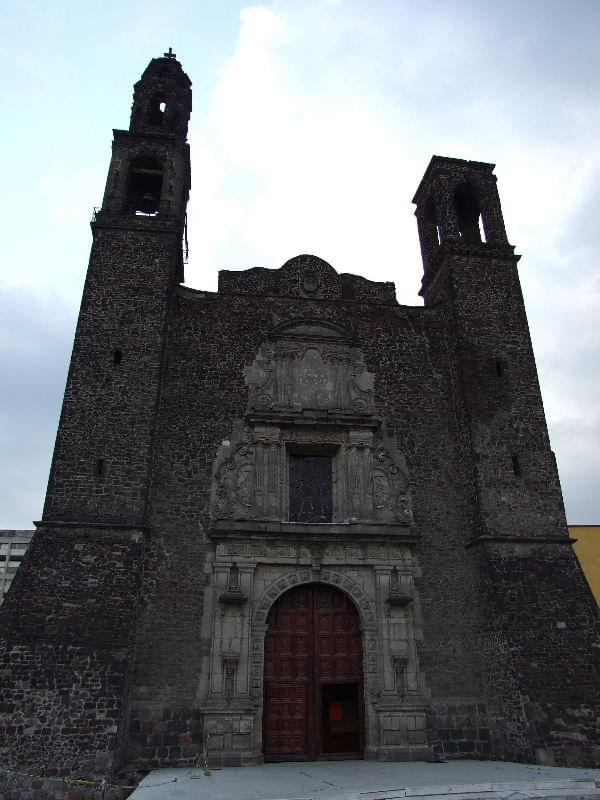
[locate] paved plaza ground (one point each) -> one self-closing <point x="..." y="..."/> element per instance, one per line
<point x="370" y="780"/>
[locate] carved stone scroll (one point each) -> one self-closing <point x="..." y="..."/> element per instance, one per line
<point x="389" y="485"/>
<point x="233" y="492"/>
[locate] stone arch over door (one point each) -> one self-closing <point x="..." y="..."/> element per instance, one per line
<point x="367" y="621"/>
<point x="363" y="603"/>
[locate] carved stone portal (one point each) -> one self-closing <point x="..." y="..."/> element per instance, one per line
<point x="311" y="397"/>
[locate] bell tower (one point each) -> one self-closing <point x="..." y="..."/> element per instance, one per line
<point x="536" y="610"/>
<point x="101" y="466"/>
<point x="457" y="205"/>
<point x="148" y="180"/>
<point x="74" y="614"/>
<point x="470" y="267"/>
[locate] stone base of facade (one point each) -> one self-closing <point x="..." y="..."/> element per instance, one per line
<point x="162" y="736"/>
<point x="232" y="738"/>
<point x="399" y="753"/>
<point x="74" y="663"/>
<point x="229" y="738"/>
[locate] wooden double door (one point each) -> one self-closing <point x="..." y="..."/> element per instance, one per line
<point x="313" y="704"/>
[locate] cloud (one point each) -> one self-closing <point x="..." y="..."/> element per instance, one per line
<point x="287" y="169"/>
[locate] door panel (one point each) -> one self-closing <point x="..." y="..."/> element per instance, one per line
<point x="313" y="676"/>
<point x="286" y="725"/>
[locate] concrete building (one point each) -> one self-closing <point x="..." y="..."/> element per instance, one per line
<point x="293" y="519"/>
<point x="13" y="546"/>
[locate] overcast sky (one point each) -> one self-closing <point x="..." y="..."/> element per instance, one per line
<point x="313" y="122"/>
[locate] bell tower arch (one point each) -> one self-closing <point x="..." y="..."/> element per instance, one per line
<point x="149" y="174"/>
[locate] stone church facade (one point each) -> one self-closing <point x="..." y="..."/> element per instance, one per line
<point x="293" y="519"/>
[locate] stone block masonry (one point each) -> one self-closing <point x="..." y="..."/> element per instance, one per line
<point x="68" y="632"/>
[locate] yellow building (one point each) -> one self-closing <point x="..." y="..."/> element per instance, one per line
<point x="587" y="549"/>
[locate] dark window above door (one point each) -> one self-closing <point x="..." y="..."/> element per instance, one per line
<point x="310" y="488"/>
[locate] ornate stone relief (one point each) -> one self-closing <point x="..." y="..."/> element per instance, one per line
<point x="376" y="480"/>
<point x="310" y="366"/>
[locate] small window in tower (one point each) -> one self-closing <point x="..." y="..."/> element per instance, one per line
<point x="156" y="110"/>
<point x="310" y="487"/>
<point x="481" y="229"/>
<point x="500" y="368"/>
<point x="100" y="467"/>
<point x="466" y="203"/>
<point x="144" y="186"/>
<point x="516" y="464"/>
<point x="117" y="357"/>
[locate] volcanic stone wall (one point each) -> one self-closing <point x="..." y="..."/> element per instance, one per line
<point x="542" y="635"/>
<point x="68" y="624"/>
<point x="100" y="469"/>
<point x="518" y="486"/>
<point x="499" y="642"/>
<point x="535" y="600"/>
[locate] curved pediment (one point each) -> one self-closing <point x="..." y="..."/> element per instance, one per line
<point x="310" y="276"/>
<point x="306" y="276"/>
<point x="307" y="261"/>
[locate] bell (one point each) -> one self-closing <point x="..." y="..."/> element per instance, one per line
<point x="148" y="204"/>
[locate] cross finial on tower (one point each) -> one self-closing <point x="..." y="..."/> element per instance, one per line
<point x="170" y="54"/>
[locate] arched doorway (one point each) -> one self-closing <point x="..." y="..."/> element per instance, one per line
<point x="313" y="704"/>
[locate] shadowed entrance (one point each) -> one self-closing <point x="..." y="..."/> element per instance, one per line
<point x="313" y="676"/>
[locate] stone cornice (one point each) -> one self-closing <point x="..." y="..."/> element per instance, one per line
<point x="317" y="418"/>
<point x="321" y="531"/>
<point x="453" y="248"/>
<point x="519" y="540"/>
